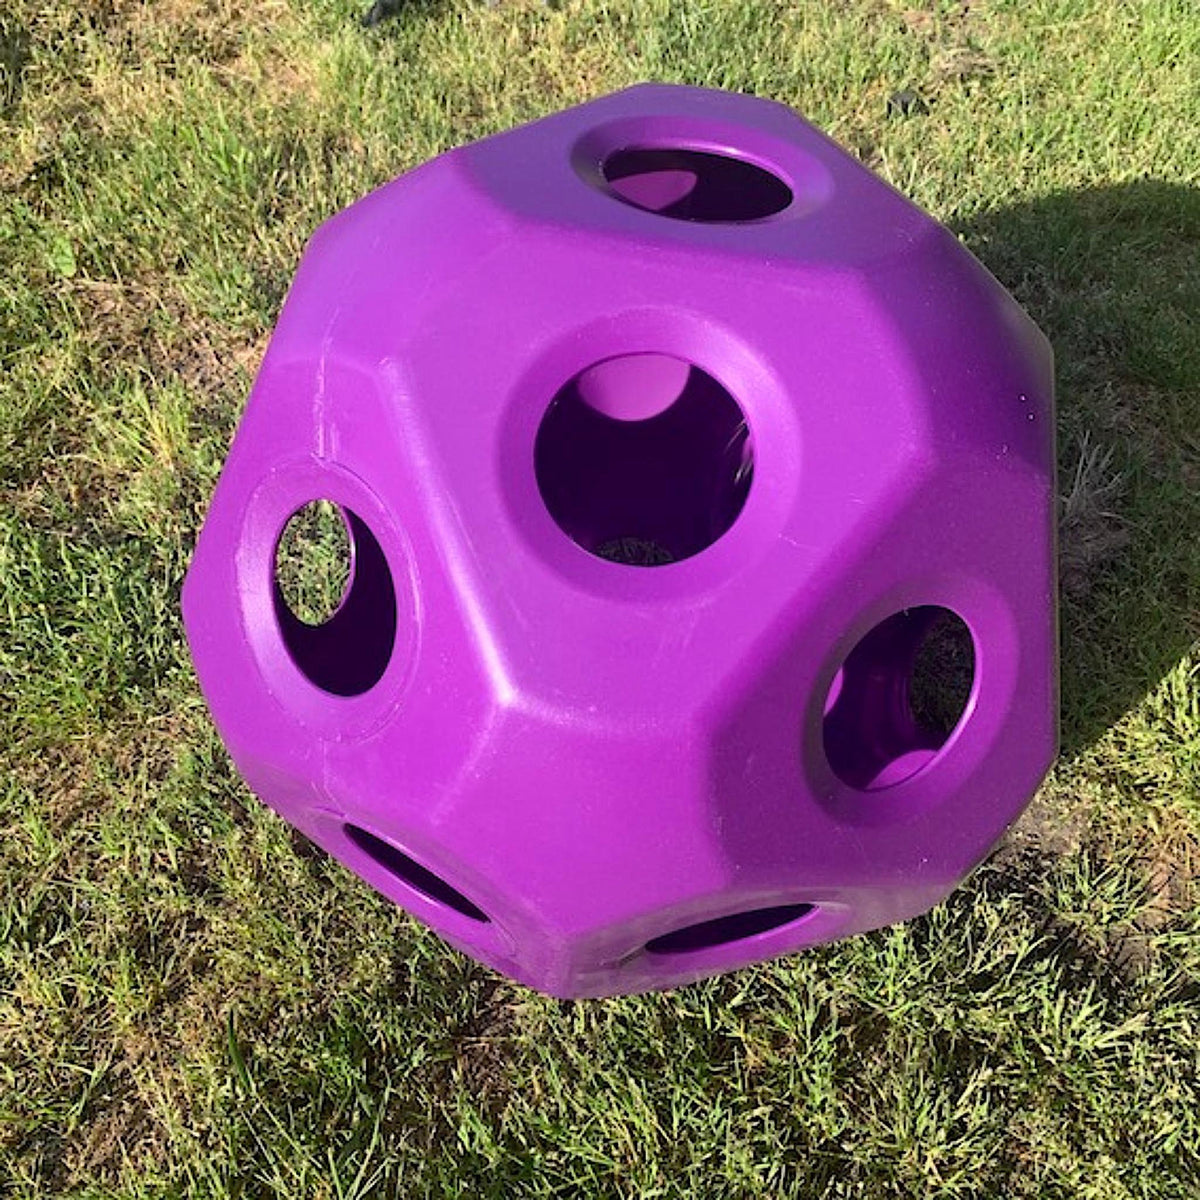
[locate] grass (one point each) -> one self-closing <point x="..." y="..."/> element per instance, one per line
<point x="194" y="1003"/>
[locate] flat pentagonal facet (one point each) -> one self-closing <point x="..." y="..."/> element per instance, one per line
<point x="701" y="604"/>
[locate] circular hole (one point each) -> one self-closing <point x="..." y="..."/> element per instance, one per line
<point x="335" y="601"/>
<point x="413" y="874"/>
<point x="898" y="697"/>
<point x="694" y="185"/>
<point x="722" y="930"/>
<point x="312" y="562"/>
<point x="644" y="459"/>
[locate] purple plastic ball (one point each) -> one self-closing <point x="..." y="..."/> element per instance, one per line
<point x="700" y="491"/>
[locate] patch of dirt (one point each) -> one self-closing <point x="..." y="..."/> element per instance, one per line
<point x="1091" y="533"/>
<point x="148" y="329"/>
<point x="1054" y="827"/>
<point x="109" y="1137"/>
<point x="123" y="1130"/>
<point x="165" y="31"/>
<point x="482" y="1048"/>
<point x="952" y="36"/>
<point x="961" y="61"/>
<point x="1171" y="869"/>
<point x="63" y="777"/>
<point x="1048" y="827"/>
<point x="920" y="21"/>
<point x="135" y="60"/>
<point x="140" y="319"/>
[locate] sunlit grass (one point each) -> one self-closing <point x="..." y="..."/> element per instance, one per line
<point x="193" y="1003"/>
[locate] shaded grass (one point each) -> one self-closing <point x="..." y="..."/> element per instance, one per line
<point x="192" y="1002"/>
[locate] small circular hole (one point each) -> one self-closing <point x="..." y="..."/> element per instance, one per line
<point x="411" y="873"/>
<point x="335" y="601"/>
<point x="644" y="459"/>
<point x="898" y="697"/>
<point x="694" y="185"/>
<point x="705" y="935"/>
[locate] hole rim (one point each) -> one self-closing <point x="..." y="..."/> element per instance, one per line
<point x="570" y="406"/>
<point x="800" y="167"/>
<point x="249" y="549"/>
<point x="411" y="877"/>
<point x="863" y="799"/>
<point x="722" y="352"/>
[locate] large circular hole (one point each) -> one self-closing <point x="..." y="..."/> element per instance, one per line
<point x="898" y="697"/>
<point x="411" y="873"/>
<point x="644" y="459"/>
<point x="722" y="930"/>
<point x="335" y="601"/>
<point x="694" y="185"/>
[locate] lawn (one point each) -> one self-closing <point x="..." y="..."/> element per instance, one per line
<point x="195" y="1003"/>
